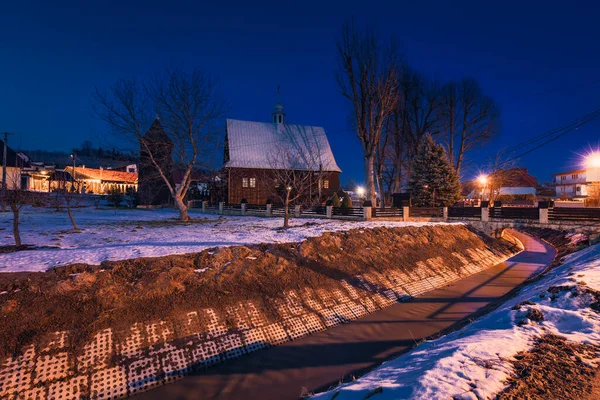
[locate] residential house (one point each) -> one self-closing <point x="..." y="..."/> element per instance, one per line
<point x="254" y="151"/>
<point x="14" y="164"/>
<point x="576" y="184"/>
<point x="102" y="181"/>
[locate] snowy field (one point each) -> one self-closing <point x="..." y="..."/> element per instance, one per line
<point x="473" y="363"/>
<point x="107" y="234"/>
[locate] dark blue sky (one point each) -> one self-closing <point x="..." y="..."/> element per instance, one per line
<point x="539" y="61"/>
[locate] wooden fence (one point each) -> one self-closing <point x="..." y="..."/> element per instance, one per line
<point x="574" y="214"/>
<point x="464" y="212"/>
<point x="518" y="213"/>
<point x="426" y="212"/>
<point x="386" y="212"/>
<point x="348" y="212"/>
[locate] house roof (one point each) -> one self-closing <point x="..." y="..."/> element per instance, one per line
<point x="12" y="159"/>
<point x="104" y="174"/>
<point x="278" y="146"/>
<point x="576" y="171"/>
<point x="517" y="190"/>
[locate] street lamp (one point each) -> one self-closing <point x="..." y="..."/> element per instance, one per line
<point x="483" y="180"/>
<point x="592" y="160"/>
<point x="360" y="191"/>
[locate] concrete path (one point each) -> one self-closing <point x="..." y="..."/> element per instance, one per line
<point x="315" y="362"/>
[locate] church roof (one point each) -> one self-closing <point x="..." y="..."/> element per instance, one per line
<point x="278" y="146"/>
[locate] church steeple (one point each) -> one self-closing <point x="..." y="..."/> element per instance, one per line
<point x="278" y="114"/>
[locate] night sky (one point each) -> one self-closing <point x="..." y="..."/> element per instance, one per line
<point x="539" y="61"/>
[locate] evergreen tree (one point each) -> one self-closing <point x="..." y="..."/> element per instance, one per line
<point x="336" y="200"/>
<point x="433" y="183"/>
<point x="346" y="201"/>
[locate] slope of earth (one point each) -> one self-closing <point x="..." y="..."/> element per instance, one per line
<point x="108" y="234"/>
<point x="541" y="344"/>
<point x="130" y="325"/>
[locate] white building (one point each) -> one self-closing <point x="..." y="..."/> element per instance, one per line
<point x="575" y="184"/>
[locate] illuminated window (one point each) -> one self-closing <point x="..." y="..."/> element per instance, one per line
<point x="252" y="182"/>
<point x="574" y="176"/>
<point x="326" y="184"/>
<point x="244" y="182"/>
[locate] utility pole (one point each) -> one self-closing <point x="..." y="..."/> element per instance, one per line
<point x="4" y="172"/>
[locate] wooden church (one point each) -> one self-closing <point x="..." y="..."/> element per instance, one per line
<point x="254" y="151"/>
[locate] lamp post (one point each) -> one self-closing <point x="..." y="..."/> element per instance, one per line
<point x="483" y="180"/>
<point x="74" y="157"/>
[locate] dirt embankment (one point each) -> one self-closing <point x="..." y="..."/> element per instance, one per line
<point x="84" y="298"/>
<point x="219" y="303"/>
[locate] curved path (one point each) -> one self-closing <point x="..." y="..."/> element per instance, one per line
<point x="322" y="359"/>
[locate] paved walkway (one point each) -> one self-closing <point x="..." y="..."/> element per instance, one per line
<point x="319" y="360"/>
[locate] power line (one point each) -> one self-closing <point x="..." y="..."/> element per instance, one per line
<point x="553" y="135"/>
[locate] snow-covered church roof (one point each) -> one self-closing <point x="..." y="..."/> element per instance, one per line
<point x="278" y="146"/>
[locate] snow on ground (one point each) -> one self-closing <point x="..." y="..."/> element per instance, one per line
<point x="130" y="233"/>
<point x="473" y="363"/>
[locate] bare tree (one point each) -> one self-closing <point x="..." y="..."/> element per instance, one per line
<point x="16" y="198"/>
<point x="297" y="168"/>
<point x="468" y="119"/>
<point x="189" y="111"/>
<point x="414" y="116"/>
<point x="368" y="78"/>
<point x="68" y="187"/>
<point x="502" y="172"/>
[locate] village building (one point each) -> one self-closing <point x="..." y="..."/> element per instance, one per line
<point x="255" y="150"/>
<point x="14" y="164"/>
<point x="102" y="181"/>
<point x="576" y="184"/>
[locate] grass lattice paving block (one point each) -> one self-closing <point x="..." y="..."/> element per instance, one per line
<point x="96" y="354"/>
<point x="109" y="383"/>
<point x="15" y="373"/>
<point x="74" y="388"/>
<point x="142" y="374"/>
<point x="51" y="367"/>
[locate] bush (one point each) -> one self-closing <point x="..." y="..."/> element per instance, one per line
<point x="114" y="198"/>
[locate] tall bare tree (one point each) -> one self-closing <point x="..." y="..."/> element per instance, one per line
<point x="468" y="118"/>
<point x="189" y="110"/>
<point x="415" y="115"/>
<point x="297" y="168"/>
<point x="368" y="78"/>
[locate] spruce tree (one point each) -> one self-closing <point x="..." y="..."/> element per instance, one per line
<point x="433" y="183"/>
<point x="336" y="200"/>
<point x="346" y="201"/>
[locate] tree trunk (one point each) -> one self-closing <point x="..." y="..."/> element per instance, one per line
<point x="183" y="210"/>
<point x="16" y="226"/>
<point x="381" y="189"/>
<point x="68" y="201"/>
<point x="286" y="216"/>
<point x="370" y="180"/>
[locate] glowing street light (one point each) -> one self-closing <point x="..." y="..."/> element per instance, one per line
<point x="360" y="191"/>
<point x="592" y="160"/>
<point x="483" y="180"/>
